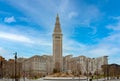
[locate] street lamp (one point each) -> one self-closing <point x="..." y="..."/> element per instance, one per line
<point x="15" y="65"/>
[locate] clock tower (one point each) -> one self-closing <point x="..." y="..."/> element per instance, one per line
<point x="57" y="46"/>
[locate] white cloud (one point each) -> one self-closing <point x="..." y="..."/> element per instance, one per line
<point x="65" y="8"/>
<point x="73" y="47"/>
<point x="102" y="50"/>
<point x="116" y="18"/>
<point x="114" y="60"/>
<point x="107" y="46"/>
<point x="64" y="4"/>
<point x="72" y="14"/>
<point x="115" y="27"/>
<point x="36" y="38"/>
<point x="9" y="19"/>
<point x="87" y="14"/>
<point x="15" y="37"/>
<point x="2" y="51"/>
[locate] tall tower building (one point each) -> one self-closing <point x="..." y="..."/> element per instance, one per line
<point x="57" y="46"/>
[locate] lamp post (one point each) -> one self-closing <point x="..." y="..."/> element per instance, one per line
<point x="15" y="65"/>
<point x="1" y="66"/>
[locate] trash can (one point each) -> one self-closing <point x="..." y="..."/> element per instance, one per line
<point x="90" y="79"/>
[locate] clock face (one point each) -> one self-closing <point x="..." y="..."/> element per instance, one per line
<point x="57" y="37"/>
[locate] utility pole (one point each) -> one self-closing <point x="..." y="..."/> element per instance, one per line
<point x="15" y="66"/>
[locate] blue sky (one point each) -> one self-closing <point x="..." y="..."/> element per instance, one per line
<point x="89" y="27"/>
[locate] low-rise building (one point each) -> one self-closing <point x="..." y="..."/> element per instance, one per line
<point x="37" y="65"/>
<point x="8" y="69"/>
<point x="86" y="65"/>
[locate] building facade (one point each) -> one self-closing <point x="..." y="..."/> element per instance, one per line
<point x="84" y="65"/>
<point x="111" y="71"/>
<point x="37" y="66"/>
<point x="2" y="60"/>
<point x="8" y="69"/>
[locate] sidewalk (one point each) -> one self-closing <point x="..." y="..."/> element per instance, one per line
<point x="113" y="80"/>
<point x="64" y="78"/>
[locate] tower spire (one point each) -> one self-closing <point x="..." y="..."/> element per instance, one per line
<point x="57" y="46"/>
<point x="57" y="25"/>
<point x="57" y="15"/>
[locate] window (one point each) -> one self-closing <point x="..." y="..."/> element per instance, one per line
<point x="58" y="37"/>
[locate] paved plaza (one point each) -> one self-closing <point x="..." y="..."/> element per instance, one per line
<point x="57" y="80"/>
